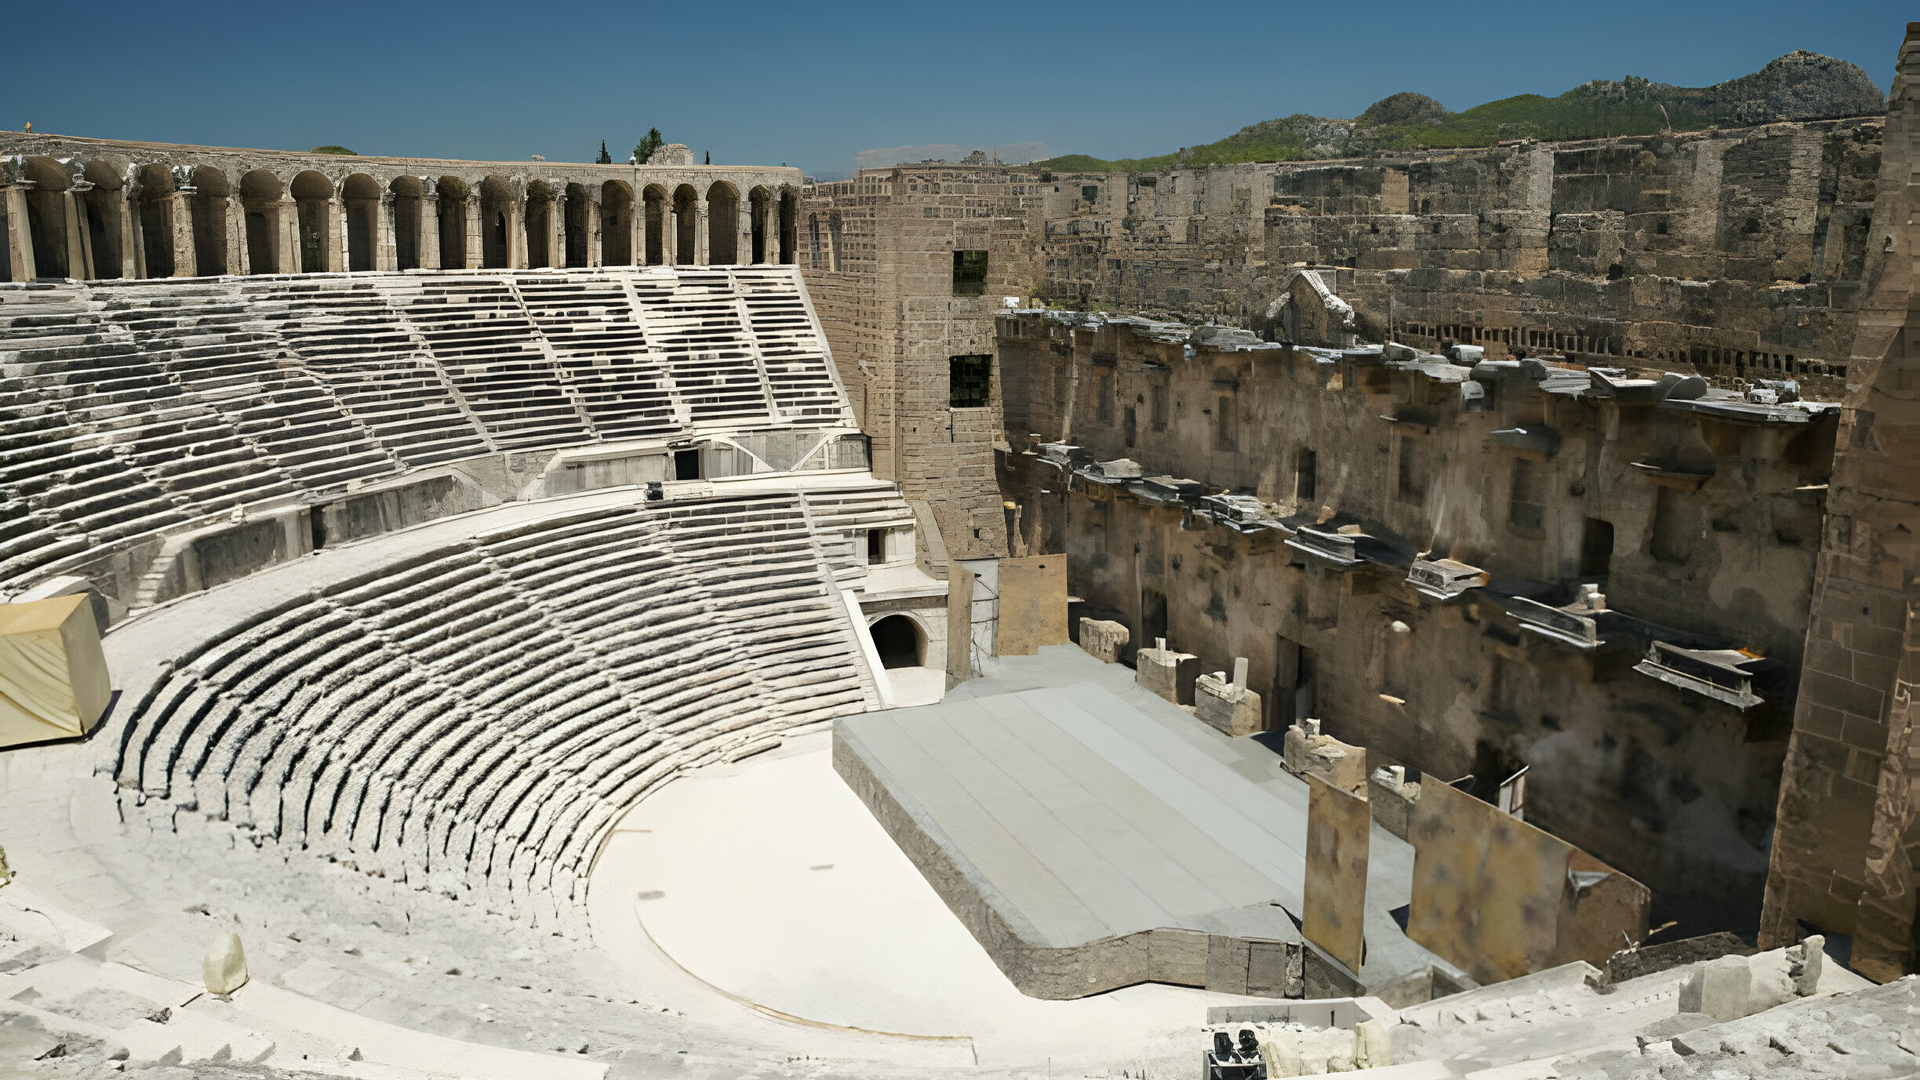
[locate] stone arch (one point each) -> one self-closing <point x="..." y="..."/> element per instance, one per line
<point x="452" y="208"/>
<point x="656" y="201"/>
<point x="900" y="640"/>
<point x="264" y="214"/>
<point x="539" y="210"/>
<point x="406" y="193"/>
<point x="499" y="218"/>
<point x="723" y="223"/>
<point x="102" y="207"/>
<point x="153" y="198"/>
<point x="47" y="218"/>
<point x="576" y="226"/>
<point x="313" y="221"/>
<point x="764" y="213"/>
<point x="789" y="224"/>
<point x="616" y="224"/>
<point x="361" y="195"/>
<point x="209" y="207"/>
<point x="686" y="224"/>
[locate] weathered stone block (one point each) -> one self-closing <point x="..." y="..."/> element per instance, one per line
<point x="1167" y="673"/>
<point x="224" y="968"/>
<point x="1103" y="639"/>
<point x="1309" y="753"/>
<point x="1718" y="988"/>
<point x="1229" y="706"/>
<point x="1392" y="799"/>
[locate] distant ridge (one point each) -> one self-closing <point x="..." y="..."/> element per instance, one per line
<point x="1801" y="85"/>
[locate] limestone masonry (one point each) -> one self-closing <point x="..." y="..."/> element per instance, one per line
<point x="1447" y="613"/>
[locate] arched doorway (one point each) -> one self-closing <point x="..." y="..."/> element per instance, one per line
<point x="209" y="209"/>
<point x="102" y="205"/>
<point x="452" y="207"/>
<point x="655" y="198"/>
<point x="723" y="224"/>
<point x="153" y="195"/>
<point x="899" y="641"/>
<point x="789" y="225"/>
<point x="616" y="224"/>
<point x="686" y="213"/>
<point x="261" y="206"/>
<point x="539" y="227"/>
<point x="361" y="193"/>
<point x="407" y="192"/>
<point x="497" y="222"/>
<point x="576" y="225"/>
<point x="313" y="211"/>
<point x="759" y="202"/>
<point x="47" y="218"/>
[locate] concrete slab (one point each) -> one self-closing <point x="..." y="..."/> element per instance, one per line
<point x="1067" y="822"/>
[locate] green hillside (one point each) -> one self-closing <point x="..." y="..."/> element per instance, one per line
<point x="1798" y="86"/>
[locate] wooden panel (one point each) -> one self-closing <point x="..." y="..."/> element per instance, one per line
<point x="1339" y="835"/>
<point x="1486" y="888"/>
<point x="1033" y="604"/>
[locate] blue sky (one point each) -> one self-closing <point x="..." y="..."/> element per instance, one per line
<point x="814" y="84"/>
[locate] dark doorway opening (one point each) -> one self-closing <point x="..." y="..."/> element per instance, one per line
<point x="686" y="464"/>
<point x="899" y="642"/>
<point x="1596" y="548"/>
<point x="1153" y="617"/>
<point x="1292" y="697"/>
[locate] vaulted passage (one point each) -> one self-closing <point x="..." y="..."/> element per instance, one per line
<point x="899" y="642"/>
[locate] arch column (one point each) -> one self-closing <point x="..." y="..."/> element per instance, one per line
<point x="336" y="238"/>
<point x="557" y="229"/>
<point x="239" y="253"/>
<point x="476" y="256"/>
<point x="429" y="226"/>
<point x="19" y="232"/>
<point x="180" y="220"/>
<point x="743" y="227"/>
<point x="591" y="226"/>
<point x="701" y="225"/>
<point x="79" y="244"/>
<point x="637" y="225"/>
<point x="777" y="229"/>
<point x="286" y="228"/>
<point x="517" y="233"/>
<point x="386" y="253"/>
<point x="132" y="259"/>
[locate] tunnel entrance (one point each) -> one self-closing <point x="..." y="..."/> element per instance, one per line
<point x="899" y="642"/>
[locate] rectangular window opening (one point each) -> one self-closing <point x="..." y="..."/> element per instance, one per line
<point x="876" y="546"/>
<point x="1306" y="474"/>
<point x="969" y="273"/>
<point x="686" y="464"/>
<point x="969" y="381"/>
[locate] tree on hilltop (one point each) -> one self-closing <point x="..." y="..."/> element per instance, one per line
<point x="648" y="145"/>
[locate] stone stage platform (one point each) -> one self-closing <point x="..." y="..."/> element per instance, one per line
<point x="1092" y="836"/>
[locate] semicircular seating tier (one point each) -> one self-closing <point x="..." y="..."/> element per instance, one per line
<point x="470" y="717"/>
<point x="140" y="409"/>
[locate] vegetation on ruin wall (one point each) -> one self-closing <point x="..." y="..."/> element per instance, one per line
<point x="1798" y="86"/>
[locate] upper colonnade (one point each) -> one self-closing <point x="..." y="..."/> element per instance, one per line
<point x="98" y="209"/>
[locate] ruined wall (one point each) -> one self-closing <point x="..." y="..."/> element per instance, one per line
<point x="1710" y="519"/>
<point x="1733" y="251"/>
<point x="878" y="255"/>
<point x="1848" y="838"/>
